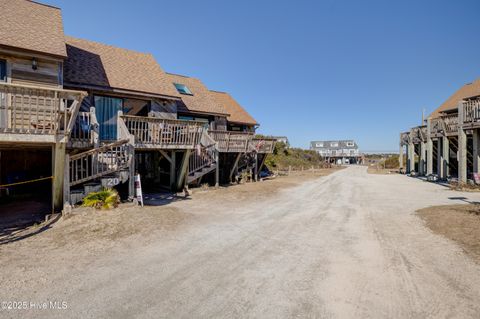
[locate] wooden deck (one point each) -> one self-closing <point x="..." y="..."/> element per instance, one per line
<point x="36" y="114"/>
<point x="156" y="133"/>
<point x="231" y="142"/>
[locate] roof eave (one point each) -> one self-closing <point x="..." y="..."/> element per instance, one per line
<point x="120" y="90"/>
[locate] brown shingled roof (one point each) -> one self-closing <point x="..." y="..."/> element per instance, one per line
<point x="102" y="66"/>
<point x="201" y="100"/>
<point x="467" y="91"/>
<point x="237" y="113"/>
<point x="32" y="26"/>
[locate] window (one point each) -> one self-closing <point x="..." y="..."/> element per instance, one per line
<point x="334" y="144"/>
<point x="182" y="89"/>
<point x="318" y="144"/>
<point x="3" y="70"/>
<point x="350" y="144"/>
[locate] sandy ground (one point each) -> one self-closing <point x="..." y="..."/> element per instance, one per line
<point x="347" y="245"/>
<point x="460" y="223"/>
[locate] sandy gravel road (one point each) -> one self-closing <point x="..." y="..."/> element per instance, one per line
<point x="347" y="245"/>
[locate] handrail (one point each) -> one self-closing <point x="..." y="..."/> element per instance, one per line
<point x="471" y="110"/>
<point x="99" y="149"/>
<point x="231" y="141"/>
<point x="26" y="109"/>
<point x="202" y="157"/>
<point x="53" y="90"/>
<point x="263" y="144"/>
<point x="157" y="132"/>
<point x="99" y="162"/>
<point x="451" y="123"/>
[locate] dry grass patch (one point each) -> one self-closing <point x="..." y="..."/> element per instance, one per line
<point x="460" y="223"/>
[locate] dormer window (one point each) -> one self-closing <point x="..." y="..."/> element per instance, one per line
<point x="182" y="89"/>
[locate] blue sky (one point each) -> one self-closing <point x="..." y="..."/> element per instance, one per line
<point x="310" y="70"/>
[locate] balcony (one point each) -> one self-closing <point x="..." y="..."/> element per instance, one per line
<point x="437" y="128"/>
<point x="471" y="113"/>
<point x="262" y="145"/>
<point x="450" y="123"/>
<point x="231" y="141"/>
<point x="157" y="133"/>
<point x="33" y="114"/>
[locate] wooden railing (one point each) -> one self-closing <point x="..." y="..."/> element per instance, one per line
<point x="471" y="111"/>
<point x="99" y="162"/>
<point x="436" y="126"/>
<point x="203" y="156"/>
<point x="150" y="132"/>
<point x="262" y="145"/>
<point x="229" y="141"/>
<point x="36" y="110"/>
<point x="404" y="138"/>
<point x="450" y="123"/>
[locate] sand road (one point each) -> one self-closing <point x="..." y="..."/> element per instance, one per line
<point x="347" y="245"/>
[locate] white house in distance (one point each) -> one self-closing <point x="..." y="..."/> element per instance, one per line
<point x="338" y="152"/>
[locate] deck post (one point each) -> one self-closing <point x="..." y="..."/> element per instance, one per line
<point x="183" y="170"/>
<point x="429" y="149"/>
<point x="400" y="155"/>
<point x="422" y="160"/>
<point x="439" y="158"/>
<point x="173" y="171"/>
<point x="66" y="181"/>
<point x="235" y="166"/>
<point x="131" y="171"/>
<point x="445" y="157"/>
<point x="411" y="157"/>
<point x="476" y="151"/>
<point x="58" y="174"/>
<point x="255" y="168"/>
<point x="217" y="169"/>
<point x="462" y="147"/>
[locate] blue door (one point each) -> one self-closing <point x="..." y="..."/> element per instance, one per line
<point x="106" y="110"/>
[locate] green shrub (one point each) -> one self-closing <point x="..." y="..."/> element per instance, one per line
<point x="107" y="198"/>
<point x="283" y="157"/>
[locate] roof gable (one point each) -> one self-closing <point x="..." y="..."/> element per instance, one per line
<point x="32" y="26"/>
<point x="106" y="67"/>
<point x="237" y="113"/>
<point x="467" y="91"/>
<point x="200" y="100"/>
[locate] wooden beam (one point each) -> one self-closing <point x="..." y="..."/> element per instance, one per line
<point x="173" y="171"/>
<point x="164" y="154"/>
<point x="262" y="163"/>
<point x="183" y="170"/>
<point x="235" y="165"/>
<point x="217" y="168"/>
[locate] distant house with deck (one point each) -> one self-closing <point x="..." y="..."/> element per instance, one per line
<point x="338" y="151"/>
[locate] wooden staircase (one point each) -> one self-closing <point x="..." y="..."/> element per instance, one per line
<point x="203" y="160"/>
<point x="106" y="166"/>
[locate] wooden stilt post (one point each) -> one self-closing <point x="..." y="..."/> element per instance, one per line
<point x="183" y="170"/>
<point x="400" y="155"/>
<point x="58" y="174"/>
<point x="476" y="151"/>
<point x="217" y="169"/>
<point x="235" y="166"/>
<point x="445" y="157"/>
<point x="411" y="157"/>
<point x="429" y="150"/>
<point x="462" y="147"/>
<point x="439" y="158"/>
<point x="255" y="169"/>
<point x="173" y="171"/>
<point x="66" y="182"/>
